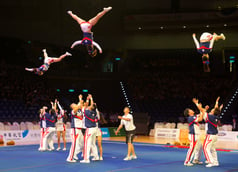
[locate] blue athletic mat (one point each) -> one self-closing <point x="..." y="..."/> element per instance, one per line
<point x="151" y="158"/>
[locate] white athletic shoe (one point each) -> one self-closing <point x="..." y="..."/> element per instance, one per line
<point x="58" y="148"/>
<point x="85" y="161"/>
<point x="76" y="158"/>
<point x="64" y="149"/>
<point x="127" y="158"/>
<point x="42" y="150"/>
<point x="133" y="157"/>
<point x="216" y="164"/>
<point x="71" y="160"/>
<point x="206" y="162"/>
<point x="189" y="164"/>
<point x="68" y="54"/>
<point x="209" y="165"/>
<point x="223" y="36"/>
<point x="197" y="162"/>
<point x="107" y="9"/>
<point x="101" y="158"/>
<point x="95" y="158"/>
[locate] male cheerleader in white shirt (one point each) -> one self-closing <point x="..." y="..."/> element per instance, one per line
<point x="90" y="133"/>
<point x="209" y="146"/>
<point x="76" y="131"/>
<point x="127" y="121"/>
<point x="199" y="146"/>
<point x="49" y="131"/>
<point x="193" y="121"/>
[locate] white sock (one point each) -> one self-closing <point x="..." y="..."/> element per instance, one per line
<point x="107" y="9"/>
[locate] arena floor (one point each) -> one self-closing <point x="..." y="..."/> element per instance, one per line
<point x="151" y="157"/>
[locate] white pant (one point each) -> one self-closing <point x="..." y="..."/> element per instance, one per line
<point x="90" y="143"/>
<point x="193" y="141"/>
<point x="209" y="148"/>
<point x="48" y="138"/>
<point x="42" y="132"/>
<point x="77" y="143"/>
<point x="198" y="149"/>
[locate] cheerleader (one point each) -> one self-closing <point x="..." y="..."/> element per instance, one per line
<point x="205" y="46"/>
<point x="86" y="27"/>
<point x="60" y="127"/>
<point x="99" y="136"/>
<point x="42" y="126"/>
<point x="50" y="119"/>
<point x="47" y="62"/>
<point x="90" y="133"/>
<point x="76" y="131"/>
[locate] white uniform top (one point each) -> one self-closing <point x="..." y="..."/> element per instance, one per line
<point x="77" y="119"/>
<point x="206" y="36"/>
<point x="129" y="125"/>
<point x="60" y="120"/>
<point x="86" y="26"/>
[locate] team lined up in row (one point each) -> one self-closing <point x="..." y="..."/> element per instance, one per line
<point x="209" y="146"/>
<point x="84" y="129"/>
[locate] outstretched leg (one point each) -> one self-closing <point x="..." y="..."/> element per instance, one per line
<point x="218" y="37"/>
<point x="75" y="17"/>
<point x="94" y="20"/>
<point x="29" y="69"/>
<point x="45" y="53"/>
<point x="61" y="57"/>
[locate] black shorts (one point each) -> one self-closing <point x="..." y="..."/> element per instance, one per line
<point x="130" y="136"/>
<point x="83" y="131"/>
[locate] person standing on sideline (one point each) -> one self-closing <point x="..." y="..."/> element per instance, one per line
<point x="127" y="121"/>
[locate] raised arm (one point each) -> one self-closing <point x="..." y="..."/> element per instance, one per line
<point x="61" y="109"/>
<point x="200" y="108"/>
<point x="196" y="41"/>
<point x="91" y="101"/>
<point x="97" y="46"/>
<point x="76" y="43"/>
<point x="80" y="99"/>
<point x="217" y="103"/>
<point x="53" y="105"/>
